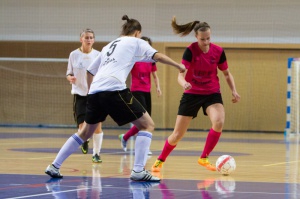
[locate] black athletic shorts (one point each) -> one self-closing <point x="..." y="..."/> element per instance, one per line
<point x="144" y="98"/>
<point x="79" y="108"/>
<point x="190" y="104"/>
<point x="121" y="106"/>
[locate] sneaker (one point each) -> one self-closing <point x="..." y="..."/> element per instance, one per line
<point x="205" y="162"/>
<point x="157" y="166"/>
<point x="149" y="152"/>
<point x="143" y="176"/>
<point x="53" y="172"/>
<point x="85" y="147"/>
<point x="123" y="142"/>
<point x="96" y="159"/>
<point x="53" y="184"/>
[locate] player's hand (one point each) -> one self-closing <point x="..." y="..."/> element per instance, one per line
<point x="72" y="79"/>
<point x="182" y="68"/>
<point x="158" y="91"/>
<point x="236" y="97"/>
<point x="187" y="86"/>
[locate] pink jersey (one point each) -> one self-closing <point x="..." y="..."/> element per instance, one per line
<point x="141" y="76"/>
<point x="202" y="68"/>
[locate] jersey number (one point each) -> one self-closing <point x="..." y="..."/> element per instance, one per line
<point x="112" y="48"/>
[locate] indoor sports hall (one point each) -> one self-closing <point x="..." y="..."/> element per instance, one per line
<point x="261" y="132"/>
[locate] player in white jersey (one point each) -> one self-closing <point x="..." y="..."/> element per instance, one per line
<point x="79" y="60"/>
<point x="108" y="95"/>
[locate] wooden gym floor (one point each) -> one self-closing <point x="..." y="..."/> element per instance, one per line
<point x="268" y="166"/>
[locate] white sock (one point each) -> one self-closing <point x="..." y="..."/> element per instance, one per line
<point x="70" y="146"/>
<point x="97" y="143"/>
<point x="142" y="145"/>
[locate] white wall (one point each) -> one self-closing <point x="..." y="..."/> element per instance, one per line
<point x="236" y="21"/>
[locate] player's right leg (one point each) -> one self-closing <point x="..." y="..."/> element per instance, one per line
<point x="142" y="145"/>
<point x="181" y="126"/>
<point x="70" y="146"/>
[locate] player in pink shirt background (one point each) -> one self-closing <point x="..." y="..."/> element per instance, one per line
<point x="141" y="90"/>
<point x="200" y="82"/>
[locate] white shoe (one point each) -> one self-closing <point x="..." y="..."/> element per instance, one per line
<point x="149" y="152"/>
<point x="53" y="172"/>
<point x="143" y="176"/>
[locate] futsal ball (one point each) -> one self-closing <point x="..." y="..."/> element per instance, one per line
<point x="225" y="164"/>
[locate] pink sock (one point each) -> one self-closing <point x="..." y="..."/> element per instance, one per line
<point x="211" y="141"/>
<point x="166" y="151"/>
<point x="130" y="133"/>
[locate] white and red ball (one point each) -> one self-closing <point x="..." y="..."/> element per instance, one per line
<point x="225" y="164"/>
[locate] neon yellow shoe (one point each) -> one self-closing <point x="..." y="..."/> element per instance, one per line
<point x="205" y="162"/>
<point x="157" y="166"/>
<point x="85" y="147"/>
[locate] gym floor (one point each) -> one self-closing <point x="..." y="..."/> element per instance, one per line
<point x="267" y="167"/>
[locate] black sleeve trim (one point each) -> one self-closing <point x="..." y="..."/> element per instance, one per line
<point x="90" y="72"/>
<point x="222" y="58"/>
<point x="153" y="56"/>
<point x="187" y="55"/>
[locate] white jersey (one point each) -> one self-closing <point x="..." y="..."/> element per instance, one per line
<point x="77" y="66"/>
<point x="111" y="68"/>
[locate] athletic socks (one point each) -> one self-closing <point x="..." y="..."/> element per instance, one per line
<point x="166" y="151"/>
<point x="132" y="131"/>
<point x="70" y="146"/>
<point x="142" y="144"/>
<point x="97" y="143"/>
<point x="211" y="141"/>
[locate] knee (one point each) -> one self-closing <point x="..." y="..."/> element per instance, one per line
<point x="175" y="137"/>
<point x="149" y="126"/>
<point x="218" y="125"/>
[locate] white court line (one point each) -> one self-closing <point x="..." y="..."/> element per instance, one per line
<point x="44" y="194"/>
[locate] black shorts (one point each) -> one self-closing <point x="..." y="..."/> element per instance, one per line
<point x="190" y="104"/>
<point x="144" y="98"/>
<point x="79" y="108"/>
<point x="121" y="106"/>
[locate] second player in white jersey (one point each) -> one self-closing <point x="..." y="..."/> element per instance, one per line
<point x="77" y="66"/>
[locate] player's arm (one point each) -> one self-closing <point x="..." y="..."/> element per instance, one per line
<point x="167" y="60"/>
<point x="92" y="70"/>
<point x="230" y="81"/>
<point x="89" y="78"/>
<point x="70" y="76"/>
<point x="186" y="59"/>
<point x="182" y="82"/>
<point x="156" y="82"/>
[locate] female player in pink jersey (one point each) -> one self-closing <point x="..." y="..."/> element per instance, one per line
<point x="202" y="89"/>
<point x="141" y="90"/>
